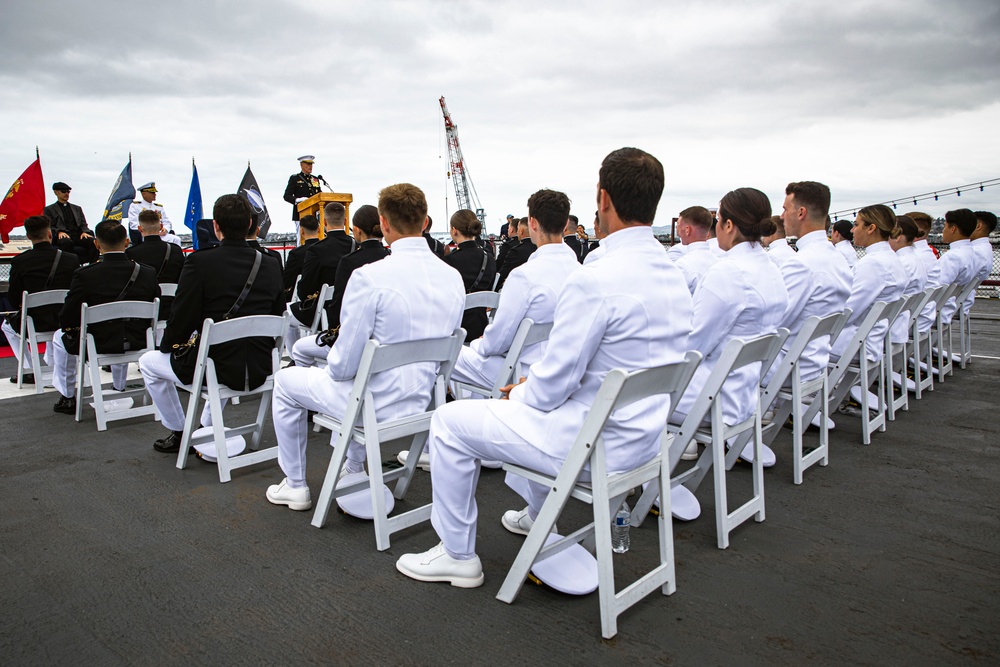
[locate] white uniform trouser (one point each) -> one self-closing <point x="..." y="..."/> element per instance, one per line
<point x="461" y="435"/>
<point x="14" y="338"/>
<point x="473" y="368"/>
<point x="64" y="369"/>
<point x="306" y="352"/>
<point x="296" y="392"/>
<point x="159" y="377"/>
<point x="292" y="336"/>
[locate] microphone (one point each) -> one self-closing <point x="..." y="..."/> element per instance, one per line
<point x="320" y="177"/>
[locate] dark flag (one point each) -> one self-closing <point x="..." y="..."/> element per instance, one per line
<point x="193" y="213"/>
<point x="121" y="196"/>
<point x="250" y="190"/>
<point x="25" y="198"/>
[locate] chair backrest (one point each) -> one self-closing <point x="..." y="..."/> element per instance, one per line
<point x="30" y="300"/>
<point x="528" y="333"/>
<point x="876" y="313"/>
<point x="325" y="295"/>
<point x="249" y="326"/>
<point x="118" y="310"/>
<point x="482" y="300"/>
<point x="168" y="289"/>
<point x="893" y="310"/>
<point x="814" y="328"/>
<point x="966" y="290"/>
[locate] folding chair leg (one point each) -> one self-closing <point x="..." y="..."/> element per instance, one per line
<point x="219" y="437"/>
<point x="80" y="368"/>
<point x="721" y="497"/>
<point x="189" y="417"/>
<point x="265" y="401"/>
<point x="325" y="499"/>
<point x="373" y="451"/>
<point x="403" y="483"/>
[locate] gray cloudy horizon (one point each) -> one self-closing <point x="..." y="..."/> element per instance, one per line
<point x="878" y="101"/>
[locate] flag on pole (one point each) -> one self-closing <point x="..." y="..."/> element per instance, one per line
<point x="121" y="196"/>
<point x="25" y="198"/>
<point x="193" y="213"/>
<point x="250" y="190"/>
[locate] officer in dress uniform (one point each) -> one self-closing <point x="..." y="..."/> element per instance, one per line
<point x="301" y="186"/>
<point x="148" y="194"/>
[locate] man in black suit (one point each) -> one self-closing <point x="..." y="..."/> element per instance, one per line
<point x="39" y="269"/>
<point x="309" y="229"/>
<point x="519" y="254"/>
<point x="210" y="285"/>
<point x="70" y="225"/>
<point x="163" y="257"/>
<point x="320" y="264"/>
<point x="114" y="278"/>
<point x="572" y="240"/>
<point x="301" y="186"/>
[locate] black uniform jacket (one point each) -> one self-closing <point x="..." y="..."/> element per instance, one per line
<point x="300" y="185"/>
<point x="515" y="257"/>
<point x="370" y="251"/>
<point x="30" y="270"/>
<point x="573" y="241"/>
<point x="255" y="244"/>
<point x="320" y="267"/>
<point x="467" y="258"/>
<point x="209" y="285"/>
<point x="293" y="266"/>
<point x="76" y="225"/>
<point x="102" y="282"/>
<point x="152" y="252"/>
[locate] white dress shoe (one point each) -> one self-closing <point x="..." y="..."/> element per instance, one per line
<point x="492" y="465"/>
<point x="683" y="505"/>
<point x="817" y="420"/>
<point x="520" y="523"/>
<point x="424" y="462"/>
<point x="282" y="494"/>
<point x="767" y="458"/>
<point x="437" y="565"/>
<point x="690" y="452"/>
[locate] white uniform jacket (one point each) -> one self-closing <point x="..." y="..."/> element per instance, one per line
<point x="916" y="281"/>
<point x="958" y="265"/>
<point x="742" y="296"/>
<point x="984" y="253"/>
<point x="593" y="255"/>
<point x="604" y="320"/>
<point x="846" y="248"/>
<point x="930" y="262"/>
<point x="713" y="244"/>
<point x="878" y="276"/>
<point x="677" y="250"/>
<point x="142" y="205"/>
<point x="779" y="251"/>
<point x="695" y="263"/>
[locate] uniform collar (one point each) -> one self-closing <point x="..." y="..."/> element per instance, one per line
<point x="959" y="243"/>
<point x="983" y="240"/>
<point x="115" y="256"/>
<point x="236" y="243"/>
<point x="921" y="243"/>
<point x="41" y="245"/>
<point x="906" y="250"/>
<point x="154" y="238"/>
<point x="744" y="248"/>
<point x="881" y="246"/>
<point x="814" y="237"/>
<point x="780" y="243"/>
<point x="697" y="246"/>
<point x="627" y="236"/>
<point x="409" y="244"/>
<point x="553" y="249"/>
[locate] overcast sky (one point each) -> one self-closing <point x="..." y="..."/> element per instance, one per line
<point x="878" y="100"/>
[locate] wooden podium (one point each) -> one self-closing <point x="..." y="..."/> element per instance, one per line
<point x="315" y="205"/>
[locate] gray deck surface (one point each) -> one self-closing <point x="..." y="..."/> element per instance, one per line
<point x="889" y="556"/>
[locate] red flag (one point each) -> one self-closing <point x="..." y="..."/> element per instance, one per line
<point x="25" y="198"/>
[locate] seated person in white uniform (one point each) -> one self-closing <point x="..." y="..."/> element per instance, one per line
<point x="916" y="282"/>
<point x="602" y="322"/>
<point x="777" y="246"/>
<point x="928" y="257"/>
<point x="410" y="295"/>
<point x="742" y="296"/>
<point x="986" y="222"/>
<point x="693" y="227"/>
<point x="842" y="236"/>
<point x="957" y="266"/>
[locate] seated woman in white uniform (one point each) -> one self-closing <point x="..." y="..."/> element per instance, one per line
<point x="916" y="282"/>
<point x="742" y="296"/>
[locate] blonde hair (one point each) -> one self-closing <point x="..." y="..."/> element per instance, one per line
<point x="883" y="218"/>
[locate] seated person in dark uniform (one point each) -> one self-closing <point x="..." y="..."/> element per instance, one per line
<point x="510" y="242"/>
<point x="519" y="254"/>
<point x="36" y="270"/>
<point x="210" y="284"/>
<point x="309" y="228"/>
<point x="321" y="260"/>
<point x="163" y="257"/>
<point x="69" y="225"/>
<point x="572" y="240"/>
<point x="436" y="246"/>
<point x="368" y="232"/>
<point x="477" y="267"/>
<point x="114" y="278"/>
<point x="252" y="241"/>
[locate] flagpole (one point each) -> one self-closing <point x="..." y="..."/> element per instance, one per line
<point x="37" y="156"/>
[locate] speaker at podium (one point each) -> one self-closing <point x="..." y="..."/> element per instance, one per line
<point x="314" y="206"/>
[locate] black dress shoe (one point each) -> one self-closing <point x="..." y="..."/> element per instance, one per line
<point x="27" y="378"/>
<point x="66" y="406"/>
<point x="171" y="444"/>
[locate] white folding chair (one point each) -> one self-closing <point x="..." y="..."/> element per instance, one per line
<point x="941" y="339"/>
<point x="167" y="291"/>
<point x="205" y="385"/>
<point x="735" y="355"/>
<point x="965" y="325"/>
<point x="371" y="433"/>
<point x="528" y="333"/>
<point x="489" y="300"/>
<point x="923" y="356"/>
<point x="31" y="338"/>
<point x="899" y="348"/>
<point x="89" y="360"/>
<point x="605" y="493"/>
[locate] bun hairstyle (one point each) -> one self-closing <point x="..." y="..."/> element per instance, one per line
<point x="883" y="218"/>
<point x="907" y="228"/>
<point x="366" y="219"/>
<point x="750" y="211"/>
<point x="466" y="222"/>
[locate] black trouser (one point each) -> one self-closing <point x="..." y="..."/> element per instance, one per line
<point x="83" y="248"/>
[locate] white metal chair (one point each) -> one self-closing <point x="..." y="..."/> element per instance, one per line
<point x="965" y="325"/>
<point x="716" y="433"/>
<point x="941" y="339"/>
<point x="911" y="308"/>
<point x="923" y="356"/>
<point x="605" y="493"/>
<point x="528" y="333"/>
<point x="167" y="291"/>
<point x="32" y="338"/>
<point x="359" y="423"/>
<point x="205" y="385"/>
<point x="89" y="360"/>
<point x="485" y="299"/>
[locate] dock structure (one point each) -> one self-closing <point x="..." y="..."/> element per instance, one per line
<point x="890" y="555"/>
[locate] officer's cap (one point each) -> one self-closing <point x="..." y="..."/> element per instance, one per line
<point x="148" y="187"/>
<point x="308" y="158"/>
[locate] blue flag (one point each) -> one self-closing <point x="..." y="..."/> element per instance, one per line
<point x="121" y="195"/>
<point x="193" y="213"/>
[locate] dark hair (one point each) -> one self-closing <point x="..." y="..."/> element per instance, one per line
<point x="750" y="210"/>
<point x="148" y="215"/>
<point x="404" y="206"/>
<point x="233" y="215"/>
<point x="988" y="219"/>
<point x="779" y="226"/>
<point x="309" y="223"/>
<point x="333" y="215"/>
<point x="574" y="219"/>
<point x="963" y="219"/>
<point x="907" y="227"/>
<point x="466" y="222"/>
<point x="633" y="180"/>
<point x="924" y="222"/>
<point x="815" y="197"/>
<point x="111" y="233"/>
<point x="699" y="216"/>
<point x="882" y="217"/>
<point x="551" y="209"/>
<point x="366" y="219"/>
<point x="35" y="227"/>
<point x="844" y="228"/>
<point x="512" y="225"/>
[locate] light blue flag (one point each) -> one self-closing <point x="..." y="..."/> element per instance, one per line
<point x="193" y="213"/>
<point x="121" y="196"/>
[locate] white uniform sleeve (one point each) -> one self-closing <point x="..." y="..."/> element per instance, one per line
<point x="356" y="327"/>
<point x="798" y="281"/>
<point x="865" y="289"/>
<point x="165" y="220"/>
<point x="715" y="311"/>
<point x="514" y="301"/>
<point x="133" y="215"/>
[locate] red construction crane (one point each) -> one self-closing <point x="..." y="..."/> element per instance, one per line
<point x="465" y="191"/>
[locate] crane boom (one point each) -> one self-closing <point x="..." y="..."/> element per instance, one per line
<point x="465" y="191"/>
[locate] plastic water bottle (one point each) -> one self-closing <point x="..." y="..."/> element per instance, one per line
<point x="619" y="530"/>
